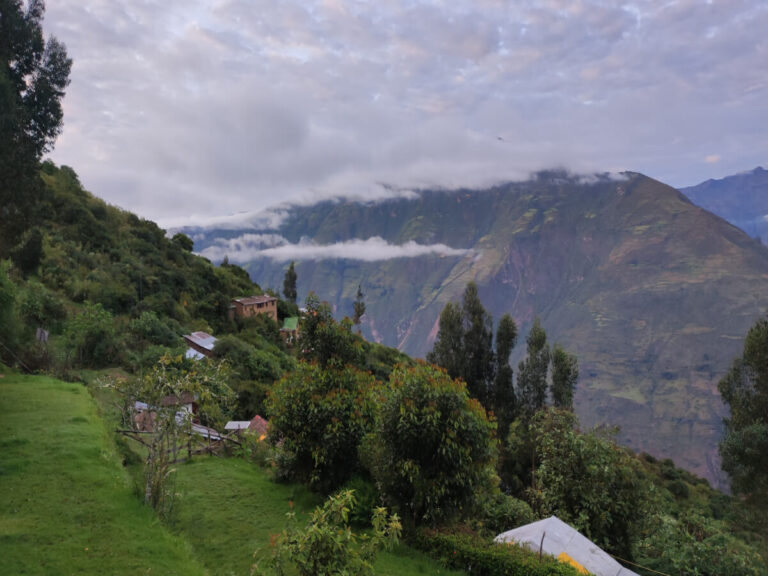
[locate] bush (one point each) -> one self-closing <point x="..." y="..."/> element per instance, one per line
<point x="432" y="451"/>
<point x="328" y="546"/>
<point x="500" y="512"/>
<point x="317" y="419"/>
<point x="679" y="489"/>
<point x="482" y="557"/>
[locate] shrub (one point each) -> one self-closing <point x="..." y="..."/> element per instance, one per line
<point x="433" y="449"/>
<point x="317" y="419"/>
<point x="482" y="557"/>
<point x="500" y="512"/>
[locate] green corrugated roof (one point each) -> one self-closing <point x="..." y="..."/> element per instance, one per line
<point x="291" y="323"/>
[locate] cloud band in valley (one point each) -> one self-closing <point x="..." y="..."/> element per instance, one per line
<point x="250" y="247"/>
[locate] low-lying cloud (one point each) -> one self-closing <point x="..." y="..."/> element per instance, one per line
<point x="249" y="247"/>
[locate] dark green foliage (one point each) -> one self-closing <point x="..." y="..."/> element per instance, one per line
<point x="464" y="347"/>
<point x="481" y="557"/>
<point x="91" y="336"/>
<point x="432" y="453"/>
<point x="532" y="373"/>
<point x="498" y="512"/>
<point x="183" y="241"/>
<point x="697" y="546"/>
<point x="9" y="317"/>
<point x="587" y="480"/>
<point x="26" y="256"/>
<point x="33" y="76"/>
<point x="248" y="362"/>
<point x="478" y="356"/>
<point x="289" y="284"/>
<point x="41" y="307"/>
<point x="324" y="340"/>
<point x="327" y="545"/>
<point x="448" y="349"/>
<point x="744" y="447"/>
<point x="149" y="329"/>
<point x="317" y="419"/>
<point x="503" y="399"/>
<point x="565" y="375"/>
<point x="358" y="306"/>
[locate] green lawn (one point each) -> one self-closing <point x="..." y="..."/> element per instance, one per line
<point x="229" y="508"/>
<point x="66" y="506"/>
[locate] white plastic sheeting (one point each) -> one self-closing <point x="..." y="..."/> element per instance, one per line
<point x="555" y="537"/>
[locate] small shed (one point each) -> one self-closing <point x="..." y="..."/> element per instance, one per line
<point x="200" y="342"/>
<point x="290" y="329"/>
<point x="556" y="538"/>
<point x="186" y="402"/>
<point x="258" y="426"/>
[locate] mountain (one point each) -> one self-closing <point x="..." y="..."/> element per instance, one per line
<point x="653" y="293"/>
<point x="742" y="199"/>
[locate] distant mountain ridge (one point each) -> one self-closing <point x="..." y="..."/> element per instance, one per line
<point x="742" y="199"/>
<point x="653" y="293"/>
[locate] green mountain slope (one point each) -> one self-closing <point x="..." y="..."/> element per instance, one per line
<point x="652" y="293"/>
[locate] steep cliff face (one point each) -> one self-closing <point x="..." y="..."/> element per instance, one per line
<point x="653" y="293"/>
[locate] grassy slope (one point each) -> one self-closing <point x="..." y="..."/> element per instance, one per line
<point x="65" y="502"/>
<point x="230" y="507"/>
<point x="67" y="507"/>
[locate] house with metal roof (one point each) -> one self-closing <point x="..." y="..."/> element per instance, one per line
<point x="250" y="306"/>
<point x="554" y="537"/>
<point x="200" y="345"/>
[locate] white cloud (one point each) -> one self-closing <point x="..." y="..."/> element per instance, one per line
<point x="250" y="247"/>
<point x="226" y="106"/>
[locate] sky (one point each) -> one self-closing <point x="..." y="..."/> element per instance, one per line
<point x="188" y="111"/>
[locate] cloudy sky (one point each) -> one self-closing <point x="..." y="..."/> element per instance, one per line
<point x="186" y="110"/>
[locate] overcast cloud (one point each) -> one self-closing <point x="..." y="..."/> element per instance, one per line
<point x="183" y="111"/>
<point x="249" y="247"/>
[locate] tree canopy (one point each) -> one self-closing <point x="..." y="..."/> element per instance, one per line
<point x="33" y="75"/>
<point x="744" y="447"/>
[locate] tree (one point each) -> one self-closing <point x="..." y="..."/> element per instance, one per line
<point x="324" y="340"/>
<point x="206" y="381"/>
<point x="433" y="450"/>
<point x="91" y="336"/>
<point x="358" y="307"/>
<point x="478" y="362"/>
<point x="33" y="76"/>
<point x="289" y="284"/>
<point x="503" y="391"/>
<point x="565" y="375"/>
<point x="447" y="351"/>
<point x="744" y="447"/>
<point x="532" y="372"/>
<point x="588" y="481"/>
<point x="318" y="416"/>
<point x="464" y="347"/>
<point x="327" y="545"/>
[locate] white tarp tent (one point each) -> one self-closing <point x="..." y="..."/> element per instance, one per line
<point x="556" y="538"/>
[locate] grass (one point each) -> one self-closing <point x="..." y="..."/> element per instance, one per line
<point x="66" y="506"/>
<point x="69" y="506"/>
<point x="230" y="508"/>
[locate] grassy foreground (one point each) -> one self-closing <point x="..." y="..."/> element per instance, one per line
<point x="229" y="508"/>
<point x="66" y="506"/>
